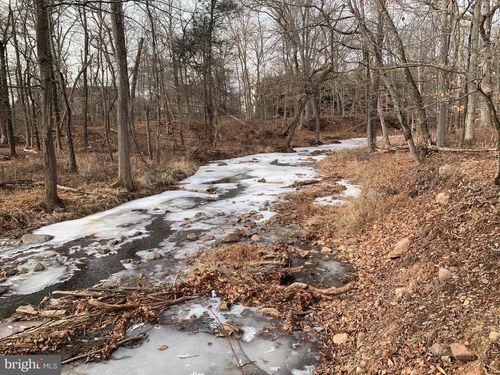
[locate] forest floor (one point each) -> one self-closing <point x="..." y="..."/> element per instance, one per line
<point x="424" y="241"/>
<point x="90" y="190"/>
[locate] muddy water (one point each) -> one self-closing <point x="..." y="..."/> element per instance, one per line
<point x="152" y="236"/>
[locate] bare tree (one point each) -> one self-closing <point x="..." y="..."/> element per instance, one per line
<point x="47" y="80"/>
<point x="124" y="168"/>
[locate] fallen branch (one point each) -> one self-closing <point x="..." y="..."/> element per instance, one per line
<point x="118" y="344"/>
<point x="449" y="149"/>
<point x="111" y="307"/>
<point x="69" y="293"/>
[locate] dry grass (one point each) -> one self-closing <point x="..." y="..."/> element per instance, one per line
<point x="359" y="213"/>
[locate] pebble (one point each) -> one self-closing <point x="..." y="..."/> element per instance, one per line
<point x="340" y="338"/>
<point x="437" y="349"/>
<point x="326" y="250"/>
<point x="494" y="336"/>
<point x="399" y="248"/>
<point x="154" y="255"/>
<point x="443" y="275"/>
<point x="39" y="267"/>
<point x="442" y="198"/>
<point x="224" y="306"/>
<point x="30" y="239"/>
<point x="255" y="238"/>
<point x="232" y="237"/>
<point x="461" y="353"/>
<point x="206" y="238"/>
<point x="191" y="237"/>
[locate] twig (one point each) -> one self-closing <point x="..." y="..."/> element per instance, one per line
<point x="70" y="293"/>
<point x="229" y="341"/>
<point x="111" y="307"/>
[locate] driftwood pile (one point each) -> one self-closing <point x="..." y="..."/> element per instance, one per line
<point x="87" y="324"/>
<point x="90" y="324"/>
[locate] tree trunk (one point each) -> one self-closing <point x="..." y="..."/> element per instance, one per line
<point x="45" y="61"/>
<point x="294" y="124"/>
<point x="442" y="121"/>
<point x="85" y="79"/>
<point x="422" y="122"/>
<point x="5" y="108"/>
<point x="124" y="168"/>
<point x="385" y="133"/>
<point x="470" y="117"/>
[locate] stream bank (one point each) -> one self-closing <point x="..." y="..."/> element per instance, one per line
<point x="155" y="239"/>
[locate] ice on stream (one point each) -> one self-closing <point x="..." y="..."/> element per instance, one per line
<point x="204" y="204"/>
<point x="193" y="348"/>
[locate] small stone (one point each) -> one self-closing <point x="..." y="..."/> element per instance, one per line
<point x="30" y="239"/>
<point x="113" y="242"/>
<point x="232" y="237"/>
<point x="191" y="237"/>
<point x="39" y="267"/>
<point x="103" y="250"/>
<point x="224" y="306"/>
<point x="399" y="248"/>
<point x="163" y="347"/>
<point x="261" y="180"/>
<point x="443" y="274"/>
<point x="3" y="289"/>
<point x="153" y="255"/>
<point x="270" y="311"/>
<point x="255" y="238"/>
<point x="461" y="353"/>
<point x="22" y="270"/>
<point x="340" y="338"/>
<point x="437" y="349"/>
<point x="206" y="238"/>
<point x="326" y="250"/>
<point x="443" y="198"/>
<point x="494" y="336"/>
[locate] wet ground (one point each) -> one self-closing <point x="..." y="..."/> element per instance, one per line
<point x="186" y="343"/>
<point x="152" y="237"/>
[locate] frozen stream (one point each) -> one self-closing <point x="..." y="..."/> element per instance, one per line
<point x="186" y="344"/>
<point x="152" y="235"/>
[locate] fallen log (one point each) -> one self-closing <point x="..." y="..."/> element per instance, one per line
<point x="450" y="149"/>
